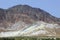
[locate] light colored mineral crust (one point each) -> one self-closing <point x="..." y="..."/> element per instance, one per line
<point x="39" y="28"/>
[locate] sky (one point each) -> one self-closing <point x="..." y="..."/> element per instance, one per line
<point x="51" y="6"/>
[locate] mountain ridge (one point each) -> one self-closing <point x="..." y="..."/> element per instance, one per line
<point x="24" y="20"/>
<point x="34" y="13"/>
<point x="26" y="14"/>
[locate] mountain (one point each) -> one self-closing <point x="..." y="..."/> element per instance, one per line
<point x="20" y="18"/>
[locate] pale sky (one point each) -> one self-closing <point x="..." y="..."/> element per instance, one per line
<point x="51" y="6"/>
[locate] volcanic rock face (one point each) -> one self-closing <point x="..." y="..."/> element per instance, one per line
<point x="27" y="14"/>
<point x="31" y="13"/>
<point x="21" y="16"/>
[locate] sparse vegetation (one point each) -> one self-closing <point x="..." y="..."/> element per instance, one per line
<point x="29" y="38"/>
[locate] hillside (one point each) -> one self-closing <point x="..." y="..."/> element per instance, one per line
<point x="23" y="17"/>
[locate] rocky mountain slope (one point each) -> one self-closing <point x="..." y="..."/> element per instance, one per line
<point x="23" y="17"/>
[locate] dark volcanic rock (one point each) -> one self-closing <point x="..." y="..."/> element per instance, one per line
<point x="26" y="14"/>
